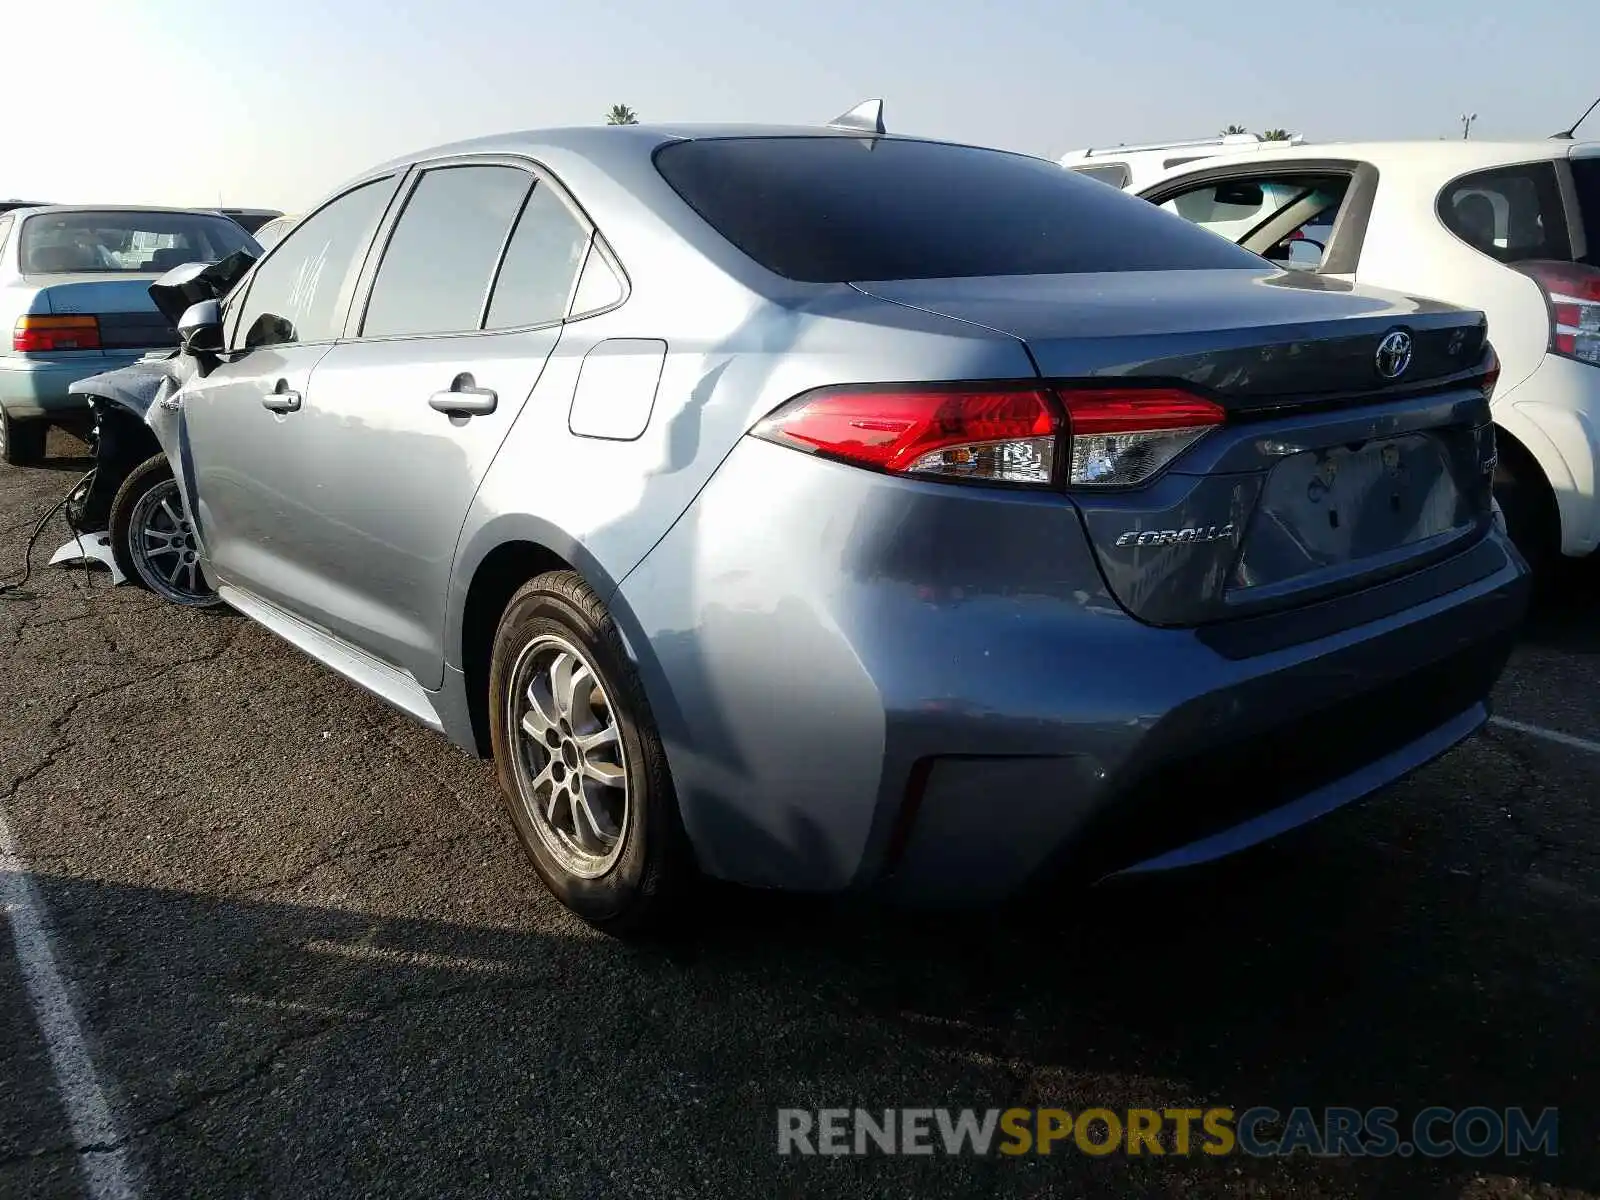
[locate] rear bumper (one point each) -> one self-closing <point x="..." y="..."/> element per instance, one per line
<point x="870" y="684"/>
<point x="1555" y="414"/>
<point x="37" y="387"/>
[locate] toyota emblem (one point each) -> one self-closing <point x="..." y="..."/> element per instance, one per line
<point x="1394" y="354"/>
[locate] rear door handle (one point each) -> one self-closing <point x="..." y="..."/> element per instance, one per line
<point x="464" y="399"/>
<point x="281" y="402"/>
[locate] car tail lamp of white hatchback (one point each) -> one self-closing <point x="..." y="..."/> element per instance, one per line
<point x="1572" y="294"/>
<point x="1033" y="436"/>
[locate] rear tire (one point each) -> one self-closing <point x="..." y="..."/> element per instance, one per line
<point x="580" y="764"/>
<point x="22" y="442"/>
<point x="1532" y="519"/>
<point x="154" y="539"/>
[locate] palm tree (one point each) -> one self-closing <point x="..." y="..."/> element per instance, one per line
<point x="1232" y="129"/>
<point x="621" y="114"/>
<point x="1275" y="135"/>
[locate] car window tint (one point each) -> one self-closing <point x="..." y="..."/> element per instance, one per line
<point x="1586" y="176"/>
<point x="437" y="267"/>
<point x="1513" y="214"/>
<point x="541" y="263"/>
<point x="835" y="208"/>
<point x="301" y="291"/>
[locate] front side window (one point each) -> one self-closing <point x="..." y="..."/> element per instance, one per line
<point x="437" y="268"/>
<point x="1288" y="220"/>
<point x="301" y="292"/>
<point x="85" y="243"/>
<point x="541" y="264"/>
<point x="1513" y="214"/>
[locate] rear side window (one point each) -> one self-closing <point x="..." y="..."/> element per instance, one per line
<point x="833" y="208"/>
<point x="1513" y="214"/>
<point x="541" y="264"/>
<point x="437" y="268"/>
<point x="1586" y="174"/>
<point x="82" y="243"/>
<point x="5" y="232"/>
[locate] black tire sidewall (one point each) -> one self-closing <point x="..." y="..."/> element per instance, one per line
<point x="21" y="442"/>
<point x="628" y="895"/>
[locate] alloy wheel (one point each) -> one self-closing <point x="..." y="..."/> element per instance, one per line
<point x="570" y="765"/>
<point x="164" y="549"/>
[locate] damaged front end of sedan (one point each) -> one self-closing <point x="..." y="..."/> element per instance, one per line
<point x="134" y="511"/>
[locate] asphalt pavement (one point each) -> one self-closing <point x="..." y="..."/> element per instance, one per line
<point x="268" y="938"/>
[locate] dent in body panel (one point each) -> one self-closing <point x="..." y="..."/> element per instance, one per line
<point x="814" y="630"/>
<point x="616" y="499"/>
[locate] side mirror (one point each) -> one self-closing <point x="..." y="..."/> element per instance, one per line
<point x="200" y="328"/>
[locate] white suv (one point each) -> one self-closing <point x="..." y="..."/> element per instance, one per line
<point x="1132" y="167"/>
<point x="1511" y="228"/>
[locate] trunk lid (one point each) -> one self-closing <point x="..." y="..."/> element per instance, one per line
<point x="1326" y="477"/>
<point x="1249" y="339"/>
<point x="129" y="319"/>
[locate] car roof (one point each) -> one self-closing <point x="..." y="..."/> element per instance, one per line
<point x="631" y="141"/>
<point x="36" y="209"/>
<point x="1447" y="156"/>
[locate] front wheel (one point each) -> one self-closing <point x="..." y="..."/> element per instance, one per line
<point x="153" y="537"/>
<point x="580" y="764"/>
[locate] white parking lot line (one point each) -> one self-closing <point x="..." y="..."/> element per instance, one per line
<point x="106" y="1171"/>
<point x="1549" y="735"/>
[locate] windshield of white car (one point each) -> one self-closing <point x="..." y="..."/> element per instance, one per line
<point x="85" y="243"/>
<point x="833" y="209"/>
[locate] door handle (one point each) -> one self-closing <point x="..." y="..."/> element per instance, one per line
<point x="464" y="399"/>
<point x="281" y="401"/>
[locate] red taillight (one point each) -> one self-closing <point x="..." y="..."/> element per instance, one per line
<point x="1572" y="294"/>
<point x="1491" y="374"/>
<point x="997" y="434"/>
<point x="36" y="334"/>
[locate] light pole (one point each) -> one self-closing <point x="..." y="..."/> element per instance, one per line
<point x="1466" y="124"/>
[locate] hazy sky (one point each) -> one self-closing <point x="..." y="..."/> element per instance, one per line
<point x="273" y="103"/>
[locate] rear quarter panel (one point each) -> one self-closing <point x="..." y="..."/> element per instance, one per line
<point x="1408" y="249"/>
<point x="732" y="357"/>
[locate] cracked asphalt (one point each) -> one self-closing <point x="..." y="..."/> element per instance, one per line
<point x="308" y="959"/>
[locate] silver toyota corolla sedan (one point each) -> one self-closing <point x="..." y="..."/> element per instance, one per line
<point x="826" y="510"/>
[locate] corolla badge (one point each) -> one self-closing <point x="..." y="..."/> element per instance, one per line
<point x="1394" y="354"/>
<point x="1177" y="537"/>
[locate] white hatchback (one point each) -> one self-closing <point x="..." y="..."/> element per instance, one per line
<point x="1511" y="228"/>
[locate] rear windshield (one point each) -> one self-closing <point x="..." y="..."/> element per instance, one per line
<point x="93" y="242"/>
<point x="831" y="209"/>
<point x="1586" y="174"/>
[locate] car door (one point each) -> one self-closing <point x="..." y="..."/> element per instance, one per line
<point x="403" y="418"/>
<point x="243" y="445"/>
<point x="1307" y="215"/>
